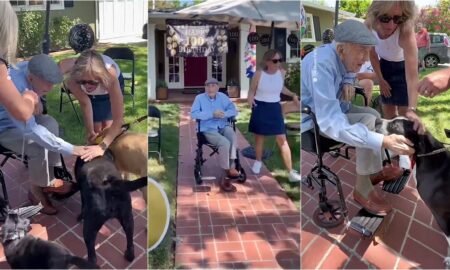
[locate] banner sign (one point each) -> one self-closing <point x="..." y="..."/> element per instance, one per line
<point x="186" y="38"/>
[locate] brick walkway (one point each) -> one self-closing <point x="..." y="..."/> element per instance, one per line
<point x="256" y="227"/>
<point x="408" y="237"/>
<point x="64" y="229"/>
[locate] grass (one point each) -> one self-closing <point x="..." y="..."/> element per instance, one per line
<point x="73" y="131"/>
<point x="166" y="174"/>
<point x="275" y="163"/>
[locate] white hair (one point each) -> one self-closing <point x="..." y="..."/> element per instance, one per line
<point x="9" y="28"/>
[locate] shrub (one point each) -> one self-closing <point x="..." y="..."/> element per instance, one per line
<point x="293" y="78"/>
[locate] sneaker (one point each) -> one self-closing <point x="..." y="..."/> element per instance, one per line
<point x="256" y="169"/>
<point x="294" y="176"/>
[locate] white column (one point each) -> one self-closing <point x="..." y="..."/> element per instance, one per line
<point x="244" y="81"/>
<point x="151" y="60"/>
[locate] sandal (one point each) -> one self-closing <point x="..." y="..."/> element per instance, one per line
<point x="226" y="186"/>
<point x="59" y="186"/>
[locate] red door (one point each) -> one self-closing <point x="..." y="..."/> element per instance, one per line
<point x="195" y="71"/>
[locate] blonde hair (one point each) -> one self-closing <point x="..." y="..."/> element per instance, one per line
<point x="9" y="28"/>
<point x="268" y="55"/>
<point x="91" y="62"/>
<point x="378" y="8"/>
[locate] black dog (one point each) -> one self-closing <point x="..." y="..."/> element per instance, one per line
<point x="105" y="195"/>
<point x="432" y="170"/>
<point x="27" y="252"/>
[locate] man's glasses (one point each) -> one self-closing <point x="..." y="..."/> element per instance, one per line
<point x="396" y="19"/>
<point x="90" y="82"/>
<point x="277" y="60"/>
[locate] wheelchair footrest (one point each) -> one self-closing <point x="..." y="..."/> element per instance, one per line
<point x="397" y="186"/>
<point x="27" y="211"/>
<point x="365" y="223"/>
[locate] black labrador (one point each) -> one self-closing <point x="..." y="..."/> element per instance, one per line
<point x="105" y="195"/>
<point x="23" y="251"/>
<point x="432" y="170"/>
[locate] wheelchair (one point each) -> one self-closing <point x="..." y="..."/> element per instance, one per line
<point x="199" y="160"/>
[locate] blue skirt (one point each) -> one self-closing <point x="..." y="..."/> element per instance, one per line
<point x="394" y="74"/>
<point x="101" y="107"/>
<point x="267" y="119"/>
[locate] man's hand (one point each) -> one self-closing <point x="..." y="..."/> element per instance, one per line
<point x="398" y="144"/>
<point x="385" y="88"/>
<point x="29" y="94"/>
<point x="434" y="83"/>
<point x="91" y="152"/>
<point x="296" y="100"/>
<point x="218" y="114"/>
<point x="38" y="108"/>
<point x="418" y="125"/>
<point x="348" y="92"/>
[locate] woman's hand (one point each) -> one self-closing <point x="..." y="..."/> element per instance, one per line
<point x="92" y="152"/>
<point x="91" y="136"/>
<point x="251" y="101"/>
<point x="435" y="83"/>
<point x="385" y="88"/>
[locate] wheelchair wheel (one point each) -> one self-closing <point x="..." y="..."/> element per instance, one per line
<point x="242" y="176"/>
<point x="198" y="176"/>
<point x="336" y="153"/>
<point x="329" y="219"/>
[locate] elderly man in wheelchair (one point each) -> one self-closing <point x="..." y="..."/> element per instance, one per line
<point x="324" y="72"/>
<point x="213" y="110"/>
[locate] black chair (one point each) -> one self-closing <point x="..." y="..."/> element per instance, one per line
<point x="66" y="90"/>
<point x="330" y="213"/>
<point x="124" y="53"/>
<point x="154" y="136"/>
<point x="199" y="160"/>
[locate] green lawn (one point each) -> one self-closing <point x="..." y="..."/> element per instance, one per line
<point x="73" y="131"/>
<point x="166" y="174"/>
<point x="275" y="162"/>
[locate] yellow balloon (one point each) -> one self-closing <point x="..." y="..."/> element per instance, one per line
<point x="158" y="217"/>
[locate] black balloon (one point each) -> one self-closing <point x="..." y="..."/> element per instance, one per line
<point x="81" y="37"/>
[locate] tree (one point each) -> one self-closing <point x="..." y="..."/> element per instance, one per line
<point x="436" y="19"/>
<point x="359" y="7"/>
<point x="172" y="4"/>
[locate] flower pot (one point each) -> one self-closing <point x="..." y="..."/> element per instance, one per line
<point x="233" y="91"/>
<point x="162" y="93"/>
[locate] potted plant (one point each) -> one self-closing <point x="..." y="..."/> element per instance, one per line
<point x="233" y="88"/>
<point x="162" y="92"/>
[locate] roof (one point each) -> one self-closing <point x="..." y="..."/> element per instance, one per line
<point x="326" y="8"/>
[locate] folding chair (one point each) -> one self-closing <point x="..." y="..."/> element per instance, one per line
<point x="154" y="136"/>
<point x="124" y="53"/>
<point x="66" y="90"/>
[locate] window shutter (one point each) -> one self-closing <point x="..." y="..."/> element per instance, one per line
<point x="317" y="31"/>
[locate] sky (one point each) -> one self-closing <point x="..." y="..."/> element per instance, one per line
<point x="420" y="3"/>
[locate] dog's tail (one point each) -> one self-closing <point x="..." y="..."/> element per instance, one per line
<point x="82" y="263"/>
<point x="129" y="186"/>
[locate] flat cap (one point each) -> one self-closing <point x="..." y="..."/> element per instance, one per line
<point x="44" y="67"/>
<point x="352" y="31"/>
<point x="211" y="81"/>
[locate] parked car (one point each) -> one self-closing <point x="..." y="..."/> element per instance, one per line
<point x="439" y="50"/>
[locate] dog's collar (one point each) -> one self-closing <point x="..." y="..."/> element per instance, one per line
<point x="437" y="151"/>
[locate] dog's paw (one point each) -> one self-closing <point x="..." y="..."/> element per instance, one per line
<point x="447" y="261"/>
<point x="129" y="255"/>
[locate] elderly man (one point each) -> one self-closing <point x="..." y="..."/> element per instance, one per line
<point x="213" y="109"/>
<point x="325" y="71"/>
<point x="37" y="138"/>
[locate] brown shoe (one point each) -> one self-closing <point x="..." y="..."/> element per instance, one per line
<point x="374" y="204"/>
<point x="59" y="186"/>
<point x="232" y="173"/>
<point x="48" y="208"/>
<point x="226" y="186"/>
<point x="389" y="173"/>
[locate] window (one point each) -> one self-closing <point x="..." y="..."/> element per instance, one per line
<point x="295" y="51"/>
<point x="217" y="67"/>
<point x="174" y="69"/>
<point x="26" y="5"/>
<point x="310" y="35"/>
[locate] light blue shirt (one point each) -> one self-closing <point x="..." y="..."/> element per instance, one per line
<point x="323" y="75"/>
<point x="204" y="107"/>
<point x="30" y="129"/>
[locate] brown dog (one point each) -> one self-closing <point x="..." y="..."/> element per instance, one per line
<point x="130" y="155"/>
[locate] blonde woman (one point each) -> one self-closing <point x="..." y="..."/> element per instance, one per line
<point x="94" y="82"/>
<point x="394" y="58"/>
<point x="20" y="107"/>
<point x="267" y="117"/>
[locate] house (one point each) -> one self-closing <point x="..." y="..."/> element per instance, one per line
<point x="319" y="18"/>
<point x="188" y="74"/>
<point x="108" y="18"/>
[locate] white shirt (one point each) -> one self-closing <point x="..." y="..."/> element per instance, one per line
<point x="269" y="87"/>
<point x="388" y="48"/>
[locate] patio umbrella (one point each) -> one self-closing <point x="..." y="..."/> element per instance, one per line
<point x="273" y="13"/>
